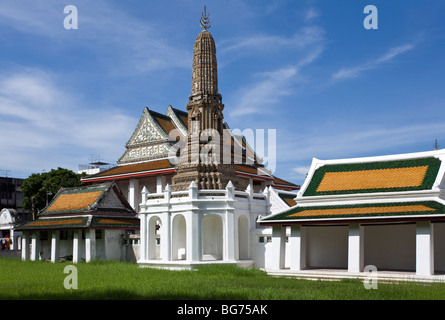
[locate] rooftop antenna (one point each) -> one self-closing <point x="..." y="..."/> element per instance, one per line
<point x="205" y="20"/>
<point x="436" y="145"/>
<point x="5" y="172"/>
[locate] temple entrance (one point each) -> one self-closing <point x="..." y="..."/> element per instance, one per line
<point x="212" y="237"/>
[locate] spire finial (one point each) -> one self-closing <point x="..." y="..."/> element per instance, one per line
<point x="436" y="145"/>
<point x="205" y="20"/>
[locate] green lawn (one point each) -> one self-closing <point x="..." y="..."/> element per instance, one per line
<point x="117" y="280"/>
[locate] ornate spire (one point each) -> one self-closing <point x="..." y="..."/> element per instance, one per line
<point x="205" y="67"/>
<point x="202" y="162"/>
<point x="205" y="20"/>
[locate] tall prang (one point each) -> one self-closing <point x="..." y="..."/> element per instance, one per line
<point x="202" y="161"/>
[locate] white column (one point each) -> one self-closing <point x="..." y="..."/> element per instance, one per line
<point x="193" y="235"/>
<point x="90" y="245"/>
<point x="229" y="237"/>
<point x="77" y="237"/>
<point x="297" y="243"/>
<point x="424" y="248"/>
<point x="55" y="235"/>
<point x="355" y="248"/>
<point x="12" y="246"/>
<point x="35" y="246"/>
<point x="143" y="237"/>
<point x="166" y="237"/>
<point x="25" y="246"/>
<point x="160" y="183"/>
<point x="133" y="187"/>
<point x="278" y="248"/>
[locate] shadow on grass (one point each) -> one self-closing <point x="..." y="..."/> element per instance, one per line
<point x="120" y="295"/>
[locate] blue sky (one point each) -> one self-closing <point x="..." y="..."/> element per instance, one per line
<point x="309" y="69"/>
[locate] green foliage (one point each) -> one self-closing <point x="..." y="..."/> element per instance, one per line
<point x="38" y="185"/>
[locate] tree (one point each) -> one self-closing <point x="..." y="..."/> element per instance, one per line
<point x="43" y="186"/>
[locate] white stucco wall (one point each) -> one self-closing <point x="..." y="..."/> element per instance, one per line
<point x="327" y="247"/>
<point x="390" y="247"/>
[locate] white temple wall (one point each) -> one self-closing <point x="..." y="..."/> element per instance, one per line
<point x="390" y="247"/>
<point x="327" y="247"/>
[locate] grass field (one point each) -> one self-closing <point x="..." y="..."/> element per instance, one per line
<point x="117" y="280"/>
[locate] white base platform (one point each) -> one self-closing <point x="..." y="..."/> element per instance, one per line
<point x="336" y="275"/>
<point x="190" y="265"/>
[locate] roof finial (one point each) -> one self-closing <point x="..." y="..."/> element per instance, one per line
<point x="436" y="145"/>
<point x="205" y="20"/>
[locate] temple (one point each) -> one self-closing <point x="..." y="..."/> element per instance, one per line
<point x="198" y="189"/>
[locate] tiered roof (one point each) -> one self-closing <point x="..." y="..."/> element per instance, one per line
<point x="147" y="151"/>
<point x="397" y="187"/>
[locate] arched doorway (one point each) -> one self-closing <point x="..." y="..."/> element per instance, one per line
<point x="243" y="238"/>
<point x="154" y="238"/>
<point x="179" y="238"/>
<point x="212" y="237"/>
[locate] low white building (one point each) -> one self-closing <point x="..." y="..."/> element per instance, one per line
<point x="82" y="223"/>
<point x="387" y="212"/>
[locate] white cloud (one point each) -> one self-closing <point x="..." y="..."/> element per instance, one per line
<point x="352" y="72"/>
<point x="303" y="38"/>
<point x="44" y="126"/>
<point x="266" y="91"/>
<point x="269" y="87"/>
<point x="344" y="140"/>
<point x="134" y="46"/>
<point x="299" y="172"/>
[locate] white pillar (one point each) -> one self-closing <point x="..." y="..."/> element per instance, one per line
<point x="229" y="237"/>
<point x="160" y="183"/>
<point x="424" y="248"/>
<point x="143" y="237"/>
<point x="297" y="243"/>
<point x="355" y="248"/>
<point x="25" y="246"/>
<point x="133" y="187"/>
<point x="278" y="248"/>
<point x="35" y="246"/>
<point x="90" y="245"/>
<point x="12" y="246"/>
<point x="166" y="236"/>
<point x="193" y="235"/>
<point x="55" y="235"/>
<point x="77" y="237"/>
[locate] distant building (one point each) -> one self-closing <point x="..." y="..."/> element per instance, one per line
<point x="11" y="196"/>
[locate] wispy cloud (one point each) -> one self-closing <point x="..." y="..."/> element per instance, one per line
<point x="353" y="72"/>
<point x="268" y="87"/>
<point x="42" y="121"/>
<point x="131" y="45"/>
<point x="305" y="37"/>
